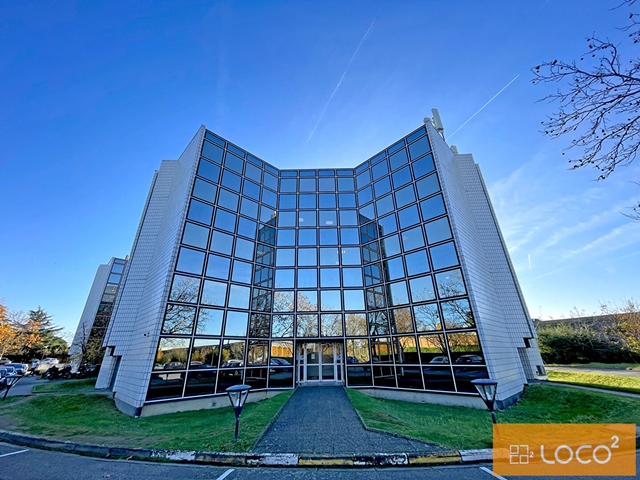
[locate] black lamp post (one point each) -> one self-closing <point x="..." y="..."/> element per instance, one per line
<point x="487" y="389"/>
<point x="11" y="381"/>
<point x="238" y="395"/>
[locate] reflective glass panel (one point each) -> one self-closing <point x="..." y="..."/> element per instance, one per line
<point x="382" y="352"/>
<point x="242" y="272"/>
<point x="253" y="172"/>
<point x="307" y="236"/>
<point x="384" y="205"/>
<point x="331" y="325"/>
<point x="287" y="219"/>
<point x="327" y="200"/>
<point x="419" y="148"/>
<point x="282" y="326"/>
<point x="378" y="323"/>
<point x="394" y="268"/>
<point x="401" y="320"/>
<point x="236" y="324"/>
<point x="329" y="256"/>
<point x="212" y="152"/>
<point x="406" y="352"/>
<point x="200" y="212"/>
<point x="284" y="277"/>
<point x="172" y="354"/>
<point x="409" y="216"/>
<point x="351" y="277"/>
<point x="308" y="184"/>
<point x="422" y="289"/>
<point x="423" y="166"/>
<point x="390" y="246"/>
<point x="432" y="207"/>
<point x="365" y="196"/>
<point x="450" y="284"/>
<point x="218" y="267"/>
<point x="350" y="256"/>
<point x="259" y="325"/>
<point x="307" y="218"/>
<point x="443" y="256"/>
<point x="307" y="201"/>
<point x="412" y="239"/>
<point x="232" y="356"/>
<point x="380" y="170"/>
<point x="270" y="181"/>
<point x="225" y="221"/>
<point x="327" y="185"/>
<point x="363" y="179"/>
<point x="178" y="320"/>
<point x="347" y="200"/>
<point x="398" y="159"/>
<point x="221" y="242"/>
<point x="398" y="292"/>
<point x="233" y="162"/>
<point x="438" y="230"/>
<point x="244" y="248"/>
<point x="287" y="202"/>
<point x="348" y="217"/>
<point x="286" y="238"/>
<point x="257" y="353"/>
<point x="382" y="187"/>
<point x="283" y="301"/>
<point x="457" y="314"/>
<point x="206" y="352"/>
<point x="465" y="348"/>
<point x="231" y="180"/>
<point x="349" y="236"/>
<point x="251" y="189"/>
<point x="346" y="184"/>
<point x="239" y="297"/>
<point x="329" y="277"/>
<point x="356" y="324"/>
<point x="401" y="177"/>
<point x="433" y="349"/>
<point x="427" y="317"/>
<point x="358" y="351"/>
<point x="249" y="208"/>
<point x="184" y="289"/>
<point x="190" y="261"/>
<point x="307" y="325"/>
<point x="405" y="196"/>
<point x="268" y="197"/>
<point x="205" y="190"/>
<point x="214" y="293"/>
<point x="428" y="186"/>
<point x="329" y="236"/>
<point x="328" y="218"/>
<point x="388" y="224"/>
<point x="330" y="300"/>
<point x="247" y="228"/>
<point x="307" y="278"/>
<point x="261" y="300"/>
<point x="285" y="257"/>
<point x="209" y="322"/>
<point x="353" y="299"/>
<point x="288" y="185"/>
<point x="307" y="257"/>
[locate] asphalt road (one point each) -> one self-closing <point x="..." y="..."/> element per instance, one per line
<point x="18" y="463"/>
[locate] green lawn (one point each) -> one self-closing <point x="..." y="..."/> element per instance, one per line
<point x="600" y="380"/>
<point x="466" y="428"/>
<point x="94" y="419"/>
<point x="66" y="385"/>
<point x="609" y="366"/>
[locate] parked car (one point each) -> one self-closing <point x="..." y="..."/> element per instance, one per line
<point x="441" y="360"/>
<point x="4" y="361"/>
<point x="10" y="370"/>
<point x="50" y="361"/>
<point x="3" y="372"/>
<point x="470" y="359"/>
<point x="21" y="368"/>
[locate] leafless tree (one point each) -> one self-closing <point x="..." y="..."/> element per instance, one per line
<point x="598" y="101"/>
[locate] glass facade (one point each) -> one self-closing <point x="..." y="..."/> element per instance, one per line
<point x="296" y="276"/>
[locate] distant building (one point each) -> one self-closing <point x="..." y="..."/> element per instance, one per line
<point x="391" y="277"/>
<point x="87" y="342"/>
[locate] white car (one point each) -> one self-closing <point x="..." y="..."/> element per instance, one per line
<point x="50" y="361"/>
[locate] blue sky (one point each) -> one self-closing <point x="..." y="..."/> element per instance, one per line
<point x="95" y="94"/>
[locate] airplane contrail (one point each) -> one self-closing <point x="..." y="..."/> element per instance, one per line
<point x="341" y="78"/>
<point x="482" y="107"/>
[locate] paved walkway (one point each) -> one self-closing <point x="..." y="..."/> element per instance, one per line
<point x="321" y="420"/>
<point x="25" y="386"/>
<point x="605" y="371"/>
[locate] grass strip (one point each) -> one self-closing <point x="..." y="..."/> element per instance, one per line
<point x="607" y="366"/>
<point x="95" y="419"/>
<point x="66" y="385"/>
<point x="600" y="380"/>
<point x="467" y="428"/>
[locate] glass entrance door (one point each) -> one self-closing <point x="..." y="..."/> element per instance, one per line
<point x="319" y="362"/>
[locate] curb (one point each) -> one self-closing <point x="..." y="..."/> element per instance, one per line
<point x="237" y="459"/>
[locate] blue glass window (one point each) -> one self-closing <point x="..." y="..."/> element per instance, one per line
<point x="384" y="205"/>
<point x="417" y="134"/>
<point x="236" y="325"/>
<point x="427" y="319"/>
<point x="405" y="196"/>
<point x="412" y="239"/>
<point x="284" y="277"/>
<point x="329" y="256"/>
<point x="286" y="238"/>
<point x="326" y="173"/>
<point x="218" y="267"/>
<point x="228" y="200"/>
<point x="353" y="299"/>
<point x="388" y="225"/>
<point x="390" y="246"/>
<point x="307" y="184"/>
<point x="253" y="172"/>
<point x="212" y="152"/>
<point x="327" y="218"/>
<point x="195" y="235"/>
<point x="450" y="283"/>
<point x="401" y="177"/>
<point x="438" y="230"/>
<point x="190" y="261"/>
<point x="432" y="207"/>
<point x="398" y="159"/>
<point x="238" y="151"/>
<point x="428" y="186"/>
<point x="270" y="181"/>
<point x="267" y="215"/>
<point x="225" y="221"/>
<point x="329" y="277"/>
<point x="366" y="213"/>
<point x="423" y="166"/>
<point x="347" y="200"/>
<point x="307" y="278"/>
<point x="382" y="187"/>
<point x="244" y="249"/>
<point x="252" y="190"/>
<point x="330" y="300"/>
<point x="249" y="208"/>
<point x="234" y="163"/>
<point x="268" y="197"/>
<point x="409" y="216"/>
<point x="398" y="292"/>
<point x="247" y="228"/>
<point x="185" y="289"/>
<point x="365" y="196"/>
<point x="417" y="263"/>
<point x="422" y="289"/>
<point x="285" y="257"/>
<point x="221" y="242"/>
<point x="307" y="257"/>
<point x="208" y="170"/>
<point x="307" y="236"/>
<point x="394" y="268"/>
<point x="327" y="185"/>
<point x="363" y="179"/>
<point x="205" y="190"/>
<point x="307" y="218"/>
<point x="214" y="293"/>
<point x="346" y="184"/>
<point x="307" y="173"/>
<point x="348" y="217"/>
<point x="288" y="185"/>
<point x="242" y="272"/>
<point x="349" y="236"/>
<point x="443" y="256"/>
<point x="307" y="201"/>
<point x="231" y="180"/>
<point x="327" y="200"/>
<point x="200" y="212"/>
<point x="287" y="219"/>
<point x="307" y="301"/>
<point x="329" y="236"/>
<point x="396" y="146"/>
<point x="419" y="148"/>
<point x="350" y="256"/>
<point x="380" y="170"/>
<point x="351" y="277"/>
<point x="363" y="166"/>
<point x="209" y="322"/>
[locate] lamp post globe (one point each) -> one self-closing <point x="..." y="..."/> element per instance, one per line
<point x="487" y="389"/>
<point x="238" y="396"/>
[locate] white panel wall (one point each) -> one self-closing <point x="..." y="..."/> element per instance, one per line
<point x="137" y="320"/>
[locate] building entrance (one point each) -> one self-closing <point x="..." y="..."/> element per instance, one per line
<point x="319" y="362"/>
